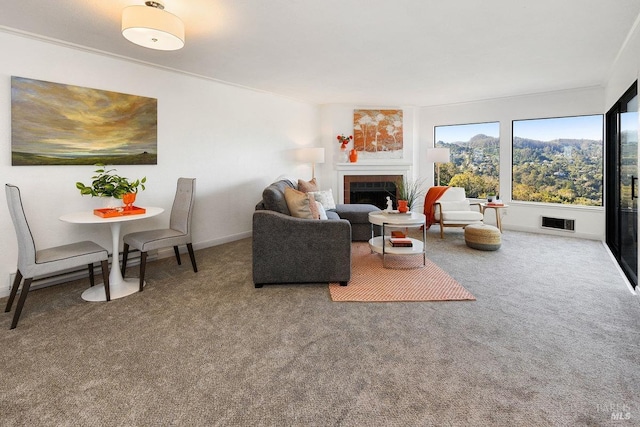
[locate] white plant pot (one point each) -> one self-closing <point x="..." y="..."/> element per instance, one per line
<point x="110" y="202"/>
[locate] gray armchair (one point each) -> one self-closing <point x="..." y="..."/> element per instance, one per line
<point x="294" y="250"/>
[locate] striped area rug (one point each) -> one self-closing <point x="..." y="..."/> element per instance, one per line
<point x="371" y="282"/>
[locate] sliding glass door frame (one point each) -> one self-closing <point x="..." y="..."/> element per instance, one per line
<point x="621" y="183"/>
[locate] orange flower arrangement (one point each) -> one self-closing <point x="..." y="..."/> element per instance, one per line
<point x="344" y="140"/>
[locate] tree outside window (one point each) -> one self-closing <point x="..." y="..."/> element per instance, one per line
<point x="475" y="157"/>
<point x="558" y="160"/>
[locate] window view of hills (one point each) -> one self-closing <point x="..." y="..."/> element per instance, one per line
<point x="558" y="160"/>
<point x="474" y="165"/>
<point x="628" y="160"/>
<point x="564" y="170"/>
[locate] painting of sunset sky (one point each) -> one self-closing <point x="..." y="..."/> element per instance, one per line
<point x="58" y="124"/>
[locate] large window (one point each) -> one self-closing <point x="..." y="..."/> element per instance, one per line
<point x="475" y="157"/>
<point x="558" y="160"/>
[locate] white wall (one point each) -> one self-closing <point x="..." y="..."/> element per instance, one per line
<point x="519" y="216"/>
<point x="626" y="69"/>
<point x="234" y="141"/>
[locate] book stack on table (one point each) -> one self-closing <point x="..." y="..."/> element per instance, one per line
<point x="402" y="242"/>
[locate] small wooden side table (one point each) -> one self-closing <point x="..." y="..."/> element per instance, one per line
<point x="497" y="208"/>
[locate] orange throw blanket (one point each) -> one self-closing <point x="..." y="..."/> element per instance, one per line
<point x="430" y="199"/>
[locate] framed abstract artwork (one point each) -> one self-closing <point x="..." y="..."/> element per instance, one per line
<point x="378" y="134"/>
<point x="60" y="124"/>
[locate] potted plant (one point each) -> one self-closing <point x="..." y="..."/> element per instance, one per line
<point x="491" y="197"/>
<point x="409" y="191"/>
<point x="107" y="184"/>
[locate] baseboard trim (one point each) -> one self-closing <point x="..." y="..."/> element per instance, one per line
<point x="615" y="262"/>
<point x="537" y="230"/>
<point x="168" y="252"/>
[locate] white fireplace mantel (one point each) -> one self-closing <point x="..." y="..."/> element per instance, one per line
<point x="369" y="168"/>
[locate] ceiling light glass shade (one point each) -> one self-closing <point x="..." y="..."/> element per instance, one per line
<point x="152" y="27"/>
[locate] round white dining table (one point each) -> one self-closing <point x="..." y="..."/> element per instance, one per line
<point x="118" y="286"/>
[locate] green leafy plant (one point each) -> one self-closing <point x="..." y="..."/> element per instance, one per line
<point x="408" y="190"/>
<point x="107" y="184"/>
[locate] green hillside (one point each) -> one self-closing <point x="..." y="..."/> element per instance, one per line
<point x="566" y="171"/>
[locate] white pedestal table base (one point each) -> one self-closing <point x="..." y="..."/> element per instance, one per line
<point x="118" y="286"/>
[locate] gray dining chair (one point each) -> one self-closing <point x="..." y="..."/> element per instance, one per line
<point x="178" y="233"/>
<point x="36" y="263"/>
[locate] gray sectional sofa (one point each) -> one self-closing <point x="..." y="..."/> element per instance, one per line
<point x="294" y="250"/>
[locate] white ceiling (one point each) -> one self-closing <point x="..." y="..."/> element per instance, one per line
<point x="364" y="52"/>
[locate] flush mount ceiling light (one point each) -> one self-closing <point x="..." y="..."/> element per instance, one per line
<point x="150" y="26"/>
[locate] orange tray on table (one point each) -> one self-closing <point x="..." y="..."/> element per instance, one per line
<point x="113" y="212"/>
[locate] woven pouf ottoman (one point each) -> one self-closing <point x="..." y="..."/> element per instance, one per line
<point x="483" y="237"/>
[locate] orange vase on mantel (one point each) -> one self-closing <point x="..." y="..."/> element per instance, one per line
<point x="353" y="156"/>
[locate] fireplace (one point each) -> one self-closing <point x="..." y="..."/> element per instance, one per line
<point x="370" y="189"/>
<point x="370" y="173"/>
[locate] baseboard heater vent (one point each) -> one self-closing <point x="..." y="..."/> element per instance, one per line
<point x="559" y="223"/>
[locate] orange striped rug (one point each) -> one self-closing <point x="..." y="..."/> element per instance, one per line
<point x="371" y="282"/>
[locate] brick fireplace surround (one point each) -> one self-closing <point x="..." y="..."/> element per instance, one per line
<point x="362" y="174"/>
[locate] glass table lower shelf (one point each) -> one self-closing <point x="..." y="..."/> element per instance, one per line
<point x="376" y="245"/>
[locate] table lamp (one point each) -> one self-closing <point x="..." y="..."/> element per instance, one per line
<point x="311" y="155"/>
<point x="438" y="155"/>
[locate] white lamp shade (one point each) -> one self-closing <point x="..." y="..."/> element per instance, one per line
<point x="310" y="155"/>
<point x="438" y="155"/>
<point x="152" y="28"/>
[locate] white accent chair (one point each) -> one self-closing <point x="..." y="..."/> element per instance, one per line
<point x="43" y="262"/>
<point x="178" y="233"/>
<point x="453" y="209"/>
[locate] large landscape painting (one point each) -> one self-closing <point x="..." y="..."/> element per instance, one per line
<point x="59" y="124"/>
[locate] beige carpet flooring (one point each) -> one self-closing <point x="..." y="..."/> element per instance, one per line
<point x="553" y="339"/>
